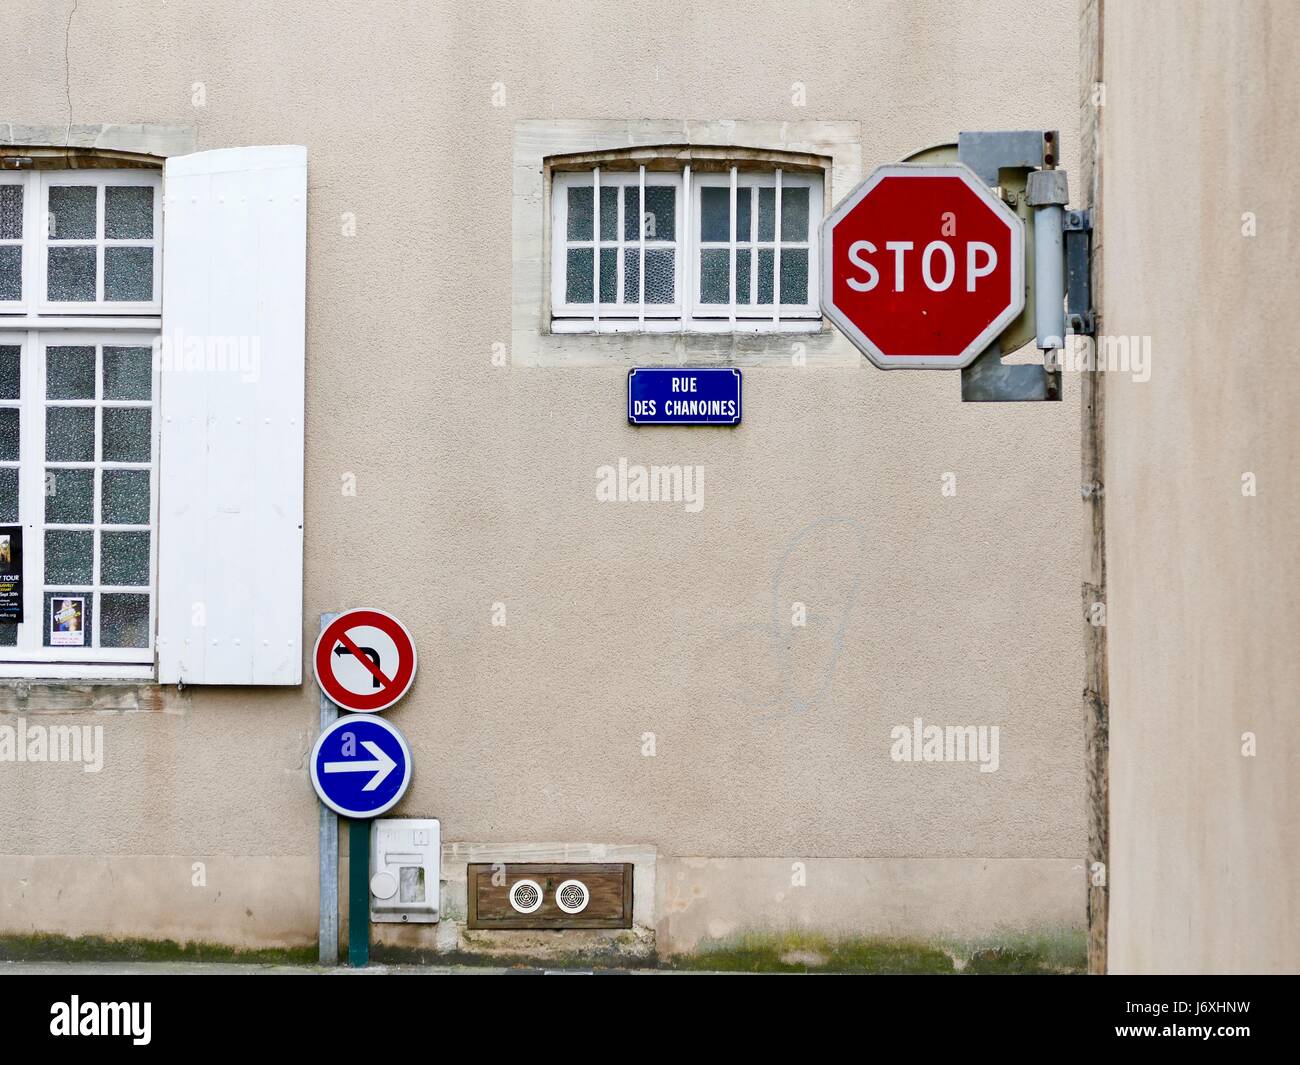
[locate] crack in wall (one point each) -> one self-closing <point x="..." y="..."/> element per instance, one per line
<point x="67" y="69"/>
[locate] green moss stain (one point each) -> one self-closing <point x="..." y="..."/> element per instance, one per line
<point x="754" y="952"/>
<point x="47" y="946"/>
<point x="802" y="952"/>
<point x="805" y="952"/>
<point x="1064" y="952"/>
<point x="612" y="959"/>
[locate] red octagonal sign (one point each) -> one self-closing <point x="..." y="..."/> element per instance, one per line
<point x="922" y="266"/>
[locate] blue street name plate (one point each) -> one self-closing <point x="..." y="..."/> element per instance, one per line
<point x="665" y="395"/>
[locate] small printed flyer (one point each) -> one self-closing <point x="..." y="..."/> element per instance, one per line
<point x="11" y="574"/>
<point x="67" y="621"/>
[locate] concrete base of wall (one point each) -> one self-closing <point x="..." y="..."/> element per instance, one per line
<point x="245" y="902"/>
<point x="680" y="905"/>
<point x="718" y="899"/>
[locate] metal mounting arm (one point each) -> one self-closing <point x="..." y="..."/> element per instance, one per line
<point x="1031" y="157"/>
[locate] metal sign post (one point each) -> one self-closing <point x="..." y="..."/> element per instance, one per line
<point x="329" y="847"/>
<point x="360" y="768"/>
<point x="358" y="894"/>
<point x="364" y="661"/>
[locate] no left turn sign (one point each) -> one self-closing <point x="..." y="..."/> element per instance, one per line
<point x="364" y="660"/>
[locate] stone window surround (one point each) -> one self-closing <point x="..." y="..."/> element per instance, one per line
<point x="541" y="145"/>
<point x="102" y="145"/>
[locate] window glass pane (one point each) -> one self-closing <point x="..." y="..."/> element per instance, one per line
<point x="743" y="212"/>
<point x="715" y="213"/>
<point x="744" y="258"/>
<point x="794" y="215"/>
<point x="11" y="270"/>
<point x="70" y="373"/>
<point x="71" y="275"/>
<point x="580" y="218"/>
<point x="128" y="212"/>
<point x="609" y="212"/>
<point x="75" y="613"/>
<point x="69" y="496"/>
<point x="125" y="620"/>
<point x="125" y="497"/>
<point x="577" y="277"/>
<point x="10" y="369"/>
<point x="9" y="494"/>
<point x="72" y="212"/>
<point x="126" y="434"/>
<point x="631" y="275"/>
<point x="661" y="213"/>
<point x="715" y="275"/>
<point x="659" y="269"/>
<point x="8" y="635"/>
<point x="69" y="557"/>
<point x="128" y="373"/>
<point x="767" y="212"/>
<point x="631" y="210"/>
<point x="11" y="212"/>
<point x="608" y="275"/>
<point x="766" y="274"/>
<point x="794" y="275"/>
<point x="8" y="434"/>
<point x="128" y="274"/>
<point x="70" y="434"/>
<point x="124" y="558"/>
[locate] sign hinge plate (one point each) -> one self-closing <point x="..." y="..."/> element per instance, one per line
<point x="1079" y="316"/>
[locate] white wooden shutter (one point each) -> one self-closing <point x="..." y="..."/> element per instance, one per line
<point x="231" y="448"/>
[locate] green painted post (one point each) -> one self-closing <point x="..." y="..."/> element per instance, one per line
<point x="358" y="894"/>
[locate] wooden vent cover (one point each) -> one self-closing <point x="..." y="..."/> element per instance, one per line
<point x="608" y="888"/>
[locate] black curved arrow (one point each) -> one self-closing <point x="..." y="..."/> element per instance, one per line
<point x="370" y="653"/>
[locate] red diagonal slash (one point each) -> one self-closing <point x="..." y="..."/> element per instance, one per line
<point x="364" y="659"/>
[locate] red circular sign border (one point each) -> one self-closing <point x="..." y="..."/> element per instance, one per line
<point x="401" y="681"/>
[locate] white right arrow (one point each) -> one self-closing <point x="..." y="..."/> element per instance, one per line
<point x="381" y="767"/>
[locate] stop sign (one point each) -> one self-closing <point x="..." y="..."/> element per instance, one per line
<point x="922" y="266"/>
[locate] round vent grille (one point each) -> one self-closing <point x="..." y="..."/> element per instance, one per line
<point x="572" y="896"/>
<point x="526" y="896"/>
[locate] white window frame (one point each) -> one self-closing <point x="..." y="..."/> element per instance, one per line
<point x="31" y="193"/>
<point x="101" y="179"/>
<point x="687" y="313"/>
<point x="35" y="324"/>
<point x="626" y="306"/>
<point x="779" y="180"/>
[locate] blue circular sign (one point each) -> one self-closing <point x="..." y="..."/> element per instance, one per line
<point x="360" y="766"/>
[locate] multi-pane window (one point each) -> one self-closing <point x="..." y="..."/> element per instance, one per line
<point x="714" y="251"/>
<point x="75" y="241"/>
<point x="79" y="303"/>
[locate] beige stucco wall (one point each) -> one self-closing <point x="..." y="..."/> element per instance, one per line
<point x="476" y="485"/>
<point x="1204" y="622"/>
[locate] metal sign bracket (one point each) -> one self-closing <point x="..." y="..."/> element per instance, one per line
<point x="1028" y="158"/>
<point x="1078" y="273"/>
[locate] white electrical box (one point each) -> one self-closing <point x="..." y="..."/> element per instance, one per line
<point x="405" y="869"/>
